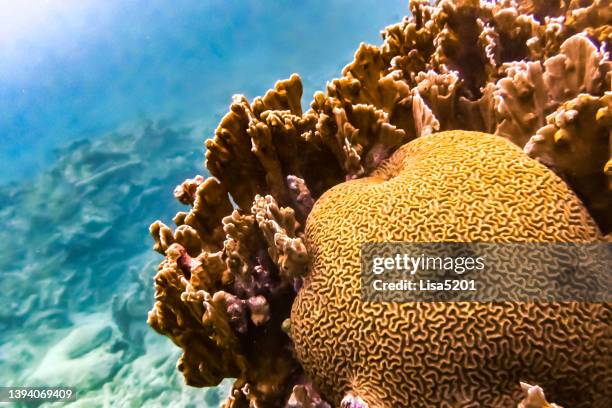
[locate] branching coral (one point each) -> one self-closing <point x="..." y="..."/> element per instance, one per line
<point x="536" y="73"/>
<point x="577" y="142"/>
<point x="217" y="305"/>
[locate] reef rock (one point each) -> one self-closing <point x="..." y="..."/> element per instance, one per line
<point x="84" y="358"/>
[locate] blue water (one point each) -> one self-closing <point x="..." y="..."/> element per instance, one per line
<point x="104" y="107"/>
<point x="77" y="68"/>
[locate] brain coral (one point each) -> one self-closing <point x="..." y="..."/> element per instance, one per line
<point x="437" y="189"/>
<point x="534" y="73"/>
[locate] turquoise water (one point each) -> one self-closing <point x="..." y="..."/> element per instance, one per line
<point x="104" y="107"/>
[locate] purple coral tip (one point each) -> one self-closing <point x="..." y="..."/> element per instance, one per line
<point x="352" y="401"/>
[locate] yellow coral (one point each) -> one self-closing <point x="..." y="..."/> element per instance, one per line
<point x="451" y="186"/>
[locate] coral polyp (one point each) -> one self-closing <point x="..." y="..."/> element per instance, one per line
<point x="535" y="77"/>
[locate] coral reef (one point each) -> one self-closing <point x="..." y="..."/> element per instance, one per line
<point x="535" y="73"/>
<point x="439" y="188"/>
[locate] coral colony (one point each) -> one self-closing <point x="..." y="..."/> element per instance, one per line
<point x="473" y="121"/>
